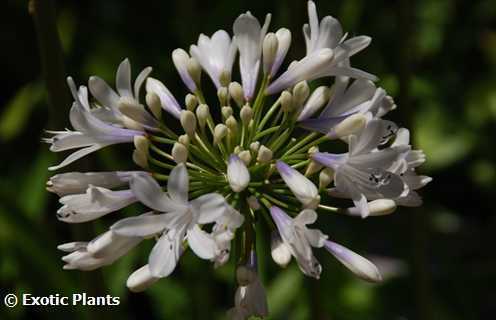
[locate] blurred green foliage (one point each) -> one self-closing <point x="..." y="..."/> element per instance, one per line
<point x="446" y="244"/>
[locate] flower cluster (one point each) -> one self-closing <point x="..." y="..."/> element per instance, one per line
<point x="257" y="155"/>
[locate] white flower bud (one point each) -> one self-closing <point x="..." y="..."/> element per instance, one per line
<point x="153" y="102"/>
<point x="226" y="112"/>
<point x="237" y="149"/>
<point x="325" y="177"/>
<point x="232" y="124"/>
<point x="245" y="275"/>
<point x="184" y="139"/>
<point x="202" y="113"/>
<point x="194" y="70"/>
<point x="269" y="50"/>
<point x="141" y="279"/>
<point x="350" y="125"/>
<point x="303" y="188"/>
<point x="188" y="121"/>
<point x="140" y="155"/>
<point x="225" y="78"/>
<point x="179" y="153"/>
<point x="245" y="155"/>
<point x="132" y="112"/>
<point x="223" y="95"/>
<point x="264" y="154"/>
<point x="220" y="131"/>
<point x="286" y="101"/>
<point x="312" y="165"/>
<point x="301" y="91"/>
<point x="236" y="92"/>
<point x="141" y="144"/>
<point x="238" y="175"/>
<point x="379" y="207"/>
<point x="246" y="114"/>
<point x="253" y="203"/>
<point x="191" y="102"/>
<point x="279" y="250"/>
<point x="254" y="146"/>
<point x="319" y="97"/>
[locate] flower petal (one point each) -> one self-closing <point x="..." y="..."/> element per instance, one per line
<point x="202" y="243"/>
<point x="178" y="184"/>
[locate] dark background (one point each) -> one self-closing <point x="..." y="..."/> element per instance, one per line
<point x="436" y="57"/>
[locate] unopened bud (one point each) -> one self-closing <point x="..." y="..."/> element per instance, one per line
<point x="350" y="125"/>
<point x="301" y="91"/>
<point x="319" y="97"/>
<point x="194" y="70"/>
<point x="184" y="139"/>
<point x="237" y="149"/>
<point x="140" y="158"/>
<point x="223" y="95"/>
<point x="254" y="146"/>
<point x="312" y="165"/>
<point x="153" y="102"/>
<point x="202" y="113"/>
<point x="179" y="153"/>
<point x="133" y="113"/>
<point x="232" y="124"/>
<point x="253" y="203"/>
<point x="141" y="143"/>
<point x="325" y="178"/>
<point x="245" y="275"/>
<point x="225" y="78"/>
<point x="286" y="101"/>
<point x="236" y="92"/>
<point x="246" y="114"/>
<point x="269" y="50"/>
<point x="279" y="250"/>
<point x="264" y="154"/>
<point x="226" y="112"/>
<point x="140" y="155"/>
<point x="191" y="102"/>
<point x="379" y="207"/>
<point x="188" y="121"/>
<point x="220" y="131"/>
<point x="245" y="156"/>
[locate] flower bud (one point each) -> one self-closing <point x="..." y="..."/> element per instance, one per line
<point x="246" y="114"/>
<point x="253" y="203"/>
<point x="141" y="143"/>
<point x="223" y="95"/>
<point x="202" y="113"/>
<point x="181" y="59"/>
<point x="237" y="149"/>
<point x="153" y="102"/>
<point x="350" y="125"/>
<point x="303" y="189"/>
<point x="279" y="250"/>
<point x="319" y="97"/>
<point x="226" y="112"/>
<point x="141" y="279"/>
<point x="284" y="41"/>
<point x="245" y="155"/>
<point x="232" y="124"/>
<point x="254" y="146"/>
<point x="286" y="101"/>
<point x="188" y="121"/>
<point x="225" y="78"/>
<point x="313" y="166"/>
<point x="236" y="92"/>
<point x="264" y="154"/>
<point x="269" y="50"/>
<point x="245" y="275"/>
<point x="133" y="113"/>
<point x="238" y="175"/>
<point x="325" y="177"/>
<point x="194" y="70"/>
<point x="179" y="153"/>
<point x="379" y="207"/>
<point x="301" y="91"/>
<point x="184" y="139"/>
<point x="191" y="102"/>
<point x="220" y="131"/>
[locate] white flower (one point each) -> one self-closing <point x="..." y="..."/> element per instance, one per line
<point x="167" y="100"/>
<point x="304" y="189"/>
<point x="223" y="232"/>
<point x="182" y="220"/>
<point x="362" y="173"/>
<point x="279" y="251"/>
<point x="101" y="251"/>
<point x="181" y="60"/>
<point x="316" y="101"/>
<point x="216" y="56"/>
<point x="93" y="204"/>
<point x="249" y="37"/>
<point x="237" y="174"/>
<point x="357" y="264"/>
<point x="141" y="279"/>
<point x="284" y="41"/>
<point x="91" y="134"/>
<point x="77" y="182"/>
<point x="299" y="240"/>
<point x="109" y="101"/>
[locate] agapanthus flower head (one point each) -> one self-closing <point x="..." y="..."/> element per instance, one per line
<point x="256" y="155"/>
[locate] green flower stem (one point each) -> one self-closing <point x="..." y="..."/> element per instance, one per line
<point x="168" y="132"/>
<point x="264" y="209"/>
<point x="269" y="114"/>
<point x="330" y="209"/>
<point x="161" y="139"/>
<point x="161" y="152"/>
<point x="159" y="163"/>
<point x="199" y="95"/>
<point x="302" y="143"/>
<point x="313" y="143"/>
<point x="300" y="164"/>
<point x="266" y="132"/>
<point x="161" y="177"/>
